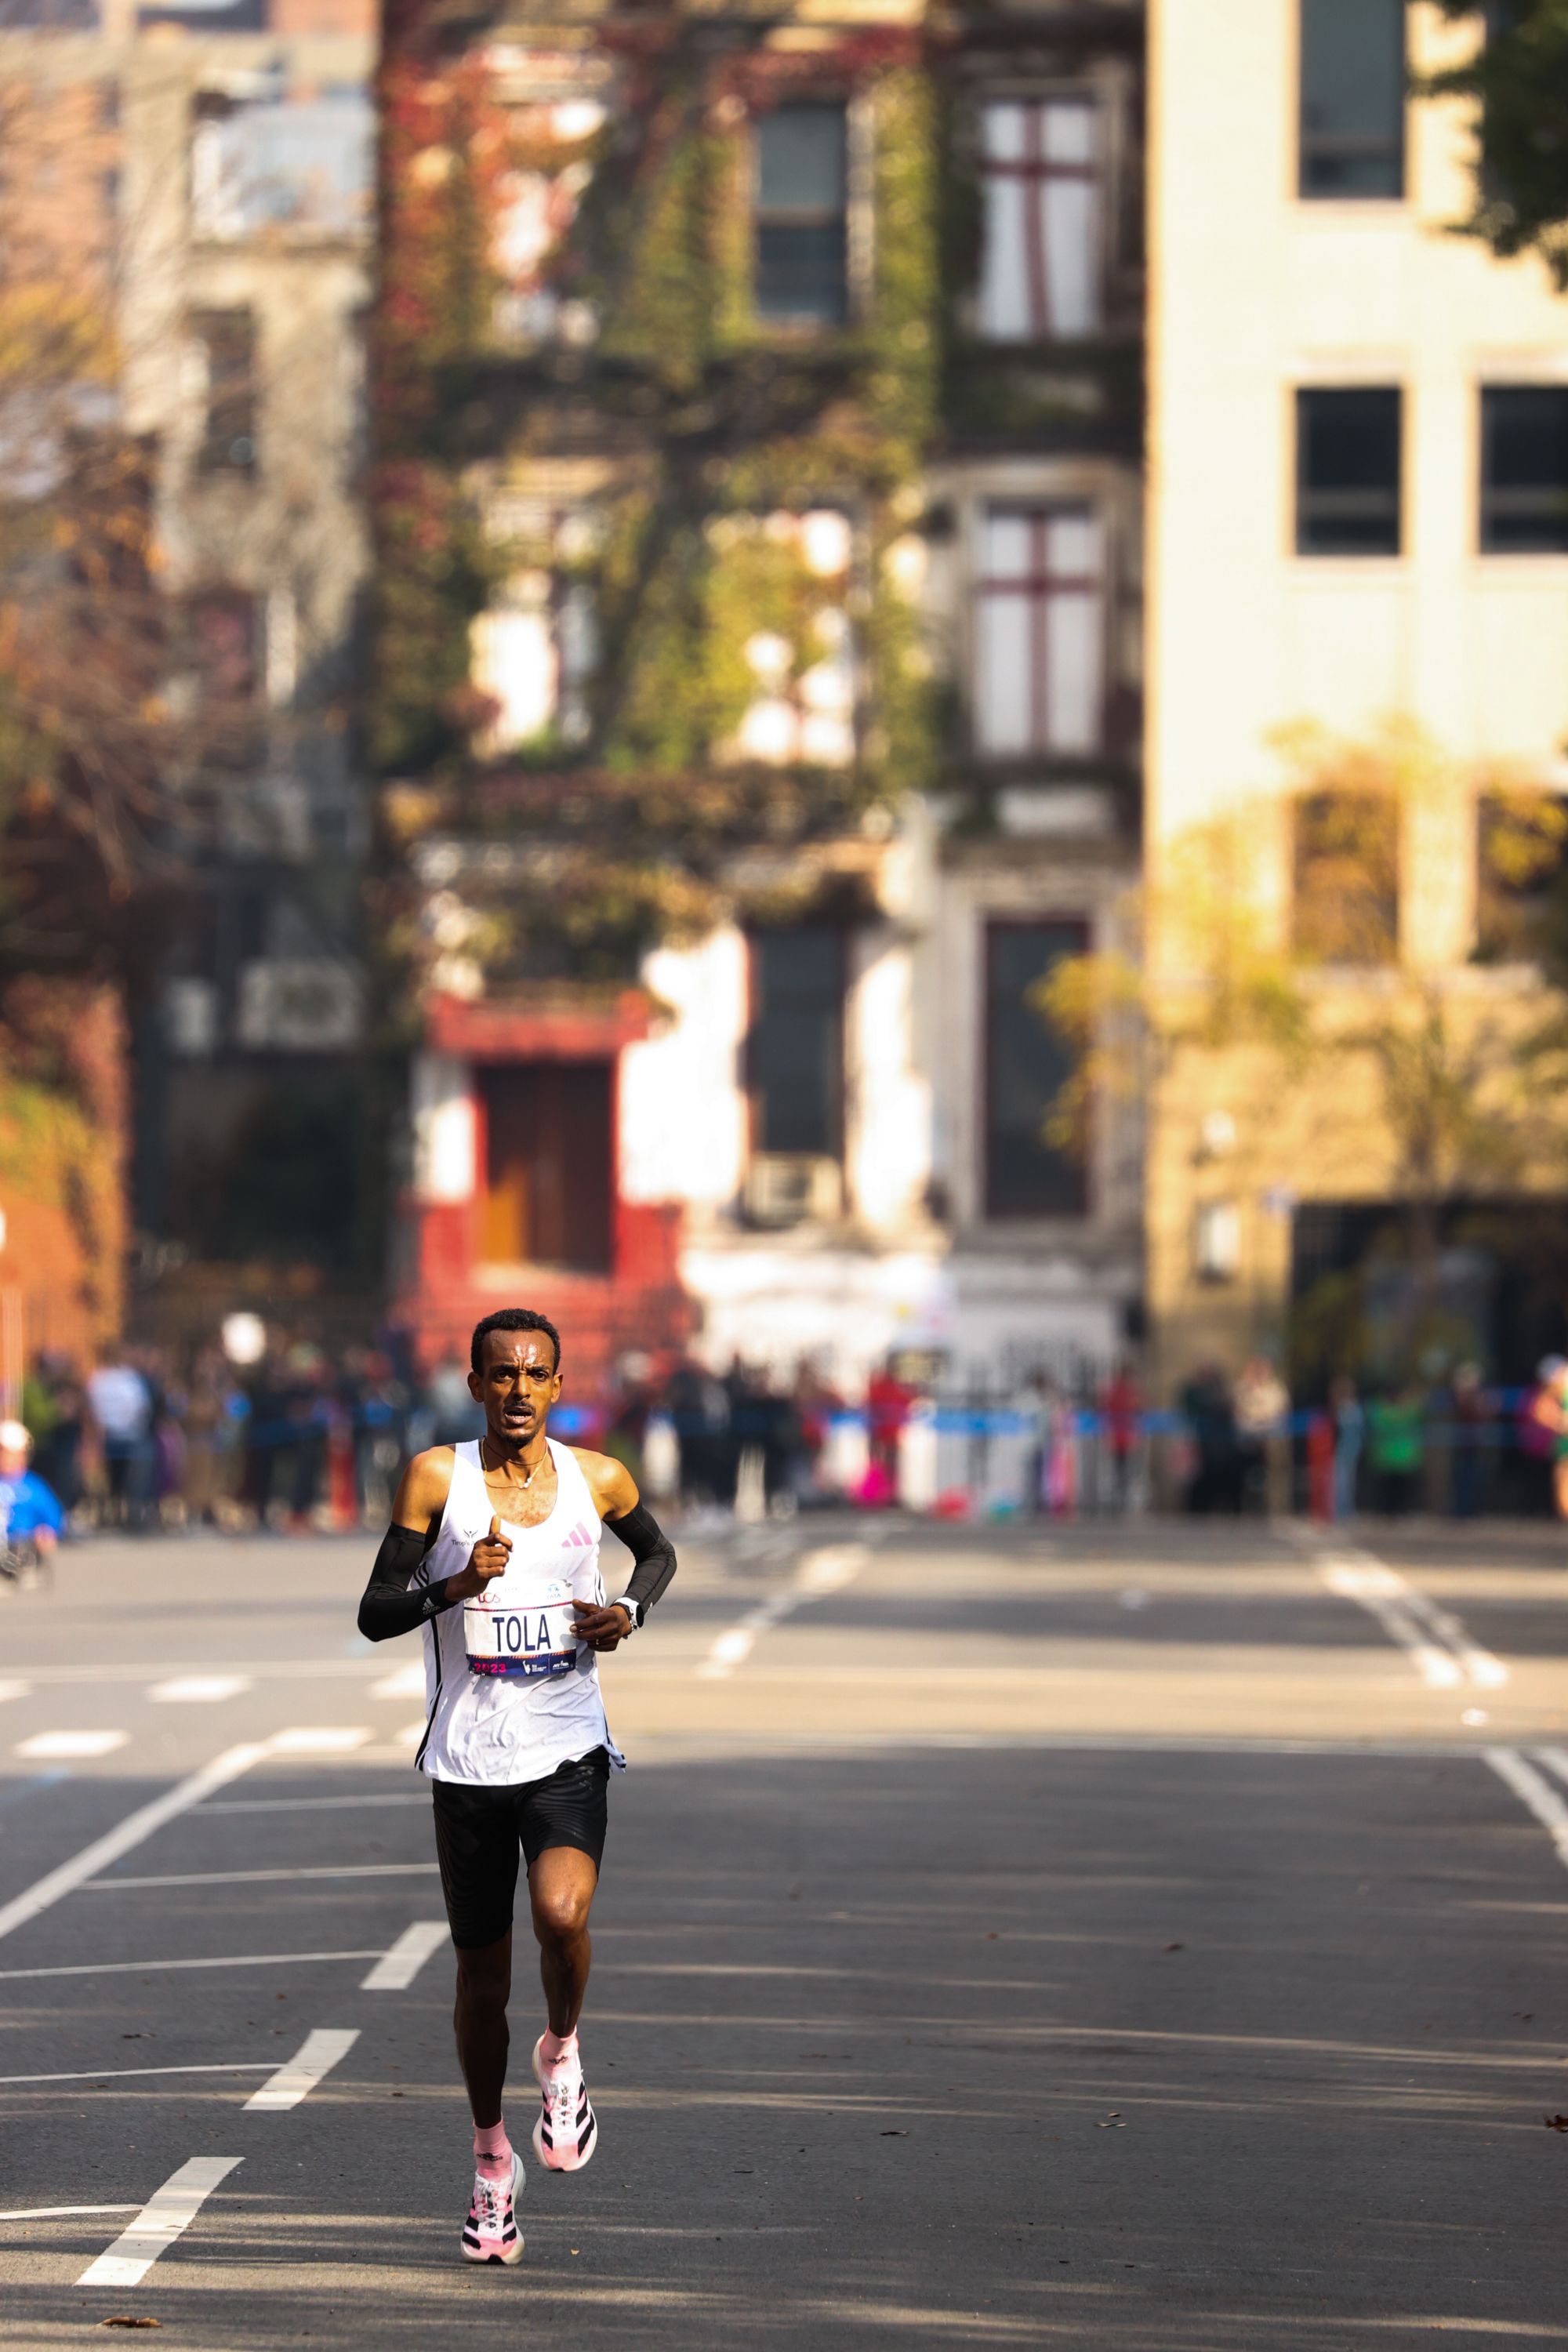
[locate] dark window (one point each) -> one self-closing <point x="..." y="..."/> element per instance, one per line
<point x="1352" y="99"/>
<point x="1521" y="862"/>
<point x="1524" y="469"/>
<point x="794" y="1060"/>
<point x="802" y="271"/>
<point x="227" y="338"/>
<point x="1347" y="877"/>
<point x="549" y="1165"/>
<point x="1026" y="1064"/>
<point x="1347" y="472"/>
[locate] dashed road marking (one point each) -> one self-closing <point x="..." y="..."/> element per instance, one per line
<point x="1441" y="1647"/>
<point x="200" y="1690"/>
<point x="166" y="2215"/>
<point x="396" y="1968"/>
<point x="1533" y="1789"/>
<point x="9" y="1689"/>
<point x="130" y="1833"/>
<point x="824" y="1570"/>
<point x="53" y="1747"/>
<point x="315" y="2058"/>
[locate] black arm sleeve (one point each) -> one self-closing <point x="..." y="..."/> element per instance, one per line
<point x="652" y="1550"/>
<point x="387" y="1606"/>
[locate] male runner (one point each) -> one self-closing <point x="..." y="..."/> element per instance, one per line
<point x="494" y="1551"/>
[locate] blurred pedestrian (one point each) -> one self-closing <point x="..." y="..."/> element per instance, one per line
<point x="30" y="1511"/>
<point x="212" y="1442"/>
<point x="1396" y="1447"/>
<point x="59" y="1447"/>
<point x="815" y="1404"/>
<point x="698" y="1414"/>
<point x="1120" y="1413"/>
<point x="1218" y="1463"/>
<point x="1549" y="1409"/>
<point x="1056" y="1480"/>
<point x="1537" y="1432"/>
<point x="1470" y="1409"/>
<point x="1349" y="1422"/>
<point x="1263" y="1428"/>
<point x="121" y="1403"/>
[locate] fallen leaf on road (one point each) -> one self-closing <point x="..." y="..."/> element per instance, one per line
<point x="123" y="2319"/>
<point x="1175" y="1947"/>
<point x="893" y="2135"/>
<point x="1555" y="2123"/>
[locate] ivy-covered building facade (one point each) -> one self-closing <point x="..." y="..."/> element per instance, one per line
<point x="755" y="668"/>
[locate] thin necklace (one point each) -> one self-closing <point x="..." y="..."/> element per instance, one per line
<point x="489" y="1473"/>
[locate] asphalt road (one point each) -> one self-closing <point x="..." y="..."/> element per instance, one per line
<point x="1131" y="1938"/>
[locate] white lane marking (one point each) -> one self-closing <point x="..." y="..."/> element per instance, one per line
<point x="398" y="1967"/>
<point x="14" y="1690"/>
<point x="119" y="2074"/>
<point x="51" y="2212"/>
<point x="166" y="2215"/>
<point x="318" y="1738"/>
<point x="308" y="1804"/>
<point x="200" y="1690"/>
<point x="1535" y="1790"/>
<point x="138" y="1967"/>
<point x="1554" y="1758"/>
<point x="411" y="1734"/>
<point x="316" y="2056"/>
<point x="820" y="1571"/>
<point x="407" y="1682"/>
<point x="254" y="1877"/>
<point x="47" y="1746"/>
<point x="1442" y="1650"/>
<point x="130" y="1833"/>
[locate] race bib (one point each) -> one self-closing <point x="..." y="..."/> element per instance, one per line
<point x="532" y="1640"/>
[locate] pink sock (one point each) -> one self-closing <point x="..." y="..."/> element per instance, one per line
<point x="492" y="2151"/>
<point x="554" y="2047"/>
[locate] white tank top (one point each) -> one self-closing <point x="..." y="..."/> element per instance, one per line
<point x="510" y="1693"/>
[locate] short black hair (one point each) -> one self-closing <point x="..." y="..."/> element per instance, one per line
<point x="512" y="1319"/>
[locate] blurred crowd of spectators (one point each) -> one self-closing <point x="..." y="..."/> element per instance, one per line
<point x="1449" y="1442"/>
<point x="298" y="1440"/>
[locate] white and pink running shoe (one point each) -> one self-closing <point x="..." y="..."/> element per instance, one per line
<point x="567" y="2131"/>
<point x="490" y="2233"/>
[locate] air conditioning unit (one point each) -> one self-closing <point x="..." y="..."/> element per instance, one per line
<point x="794" y="1188"/>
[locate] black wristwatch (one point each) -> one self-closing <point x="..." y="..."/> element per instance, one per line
<point x="636" y="1609"/>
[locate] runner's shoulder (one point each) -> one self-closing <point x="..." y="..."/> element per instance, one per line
<point x="610" y="1483"/>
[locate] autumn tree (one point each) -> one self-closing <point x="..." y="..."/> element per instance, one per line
<point x="1286" y="980"/>
<point x="1517" y="80"/>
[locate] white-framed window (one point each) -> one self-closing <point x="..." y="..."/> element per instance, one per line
<point x="535" y="650"/>
<point x="1042" y="179"/>
<point x="1040" y="629"/>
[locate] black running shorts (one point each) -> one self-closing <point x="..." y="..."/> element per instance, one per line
<point x="479" y="1833"/>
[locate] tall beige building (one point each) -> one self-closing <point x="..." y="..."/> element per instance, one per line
<point x="1358" y="516"/>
